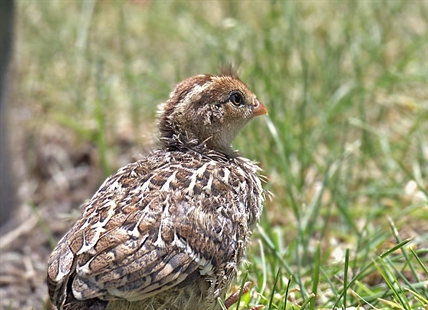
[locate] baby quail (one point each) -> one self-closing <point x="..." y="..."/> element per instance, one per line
<point x="168" y="231"/>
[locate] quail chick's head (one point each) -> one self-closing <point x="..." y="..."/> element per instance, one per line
<point x="208" y="109"/>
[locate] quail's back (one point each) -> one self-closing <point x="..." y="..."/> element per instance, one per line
<point x="168" y="231"/>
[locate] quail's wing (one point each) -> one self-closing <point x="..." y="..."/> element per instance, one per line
<point x="139" y="236"/>
<point x="131" y="262"/>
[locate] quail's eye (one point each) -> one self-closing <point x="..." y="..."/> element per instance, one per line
<point x="236" y="99"/>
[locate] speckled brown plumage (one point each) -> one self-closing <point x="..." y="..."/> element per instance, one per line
<point x="168" y="231"/>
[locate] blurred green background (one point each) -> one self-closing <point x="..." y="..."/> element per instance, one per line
<point x="345" y="146"/>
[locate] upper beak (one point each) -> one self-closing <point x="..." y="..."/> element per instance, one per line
<point x="259" y="108"/>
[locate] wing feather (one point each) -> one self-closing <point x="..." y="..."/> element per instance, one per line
<point x="150" y="226"/>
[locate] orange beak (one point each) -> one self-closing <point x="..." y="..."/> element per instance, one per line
<point x="259" y="108"/>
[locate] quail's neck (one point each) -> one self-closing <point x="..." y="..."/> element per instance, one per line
<point x="185" y="142"/>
